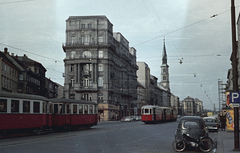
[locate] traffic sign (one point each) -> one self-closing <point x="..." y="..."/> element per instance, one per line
<point x="234" y="97"/>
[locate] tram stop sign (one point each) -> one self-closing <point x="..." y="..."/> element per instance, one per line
<point x="234" y="99"/>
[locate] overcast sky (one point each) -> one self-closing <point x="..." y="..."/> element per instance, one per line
<point x="37" y="28"/>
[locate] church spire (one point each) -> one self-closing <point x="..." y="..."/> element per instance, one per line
<point x="164" y="54"/>
<point x="164" y="68"/>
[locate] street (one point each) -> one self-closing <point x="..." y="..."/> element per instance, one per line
<point x="108" y="137"/>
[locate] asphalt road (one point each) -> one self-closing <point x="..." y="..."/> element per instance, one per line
<point x="106" y="137"/>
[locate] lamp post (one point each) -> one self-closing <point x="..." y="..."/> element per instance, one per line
<point x="235" y="76"/>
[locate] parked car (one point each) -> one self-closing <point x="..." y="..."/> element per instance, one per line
<point x="211" y="123"/>
<point x="191" y="131"/>
<point x="126" y="119"/>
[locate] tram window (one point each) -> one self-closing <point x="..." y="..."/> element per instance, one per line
<point x="68" y="109"/>
<point x="60" y="109"/>
<point x="3" y="105"/>
<point x="146" y="111"/>
<point x="80" y="109"/>
<point x="90" y="109"/>
<point x="150" y="111"/>
<point x="15" y="106"/>
<point x="26" y="106"/>
<point x="36" y="107"/>
<point x="55" y="111"/>
<point x="50" y="108"/>
<point x="85" y="109"/>
<point x="74" y="109"/>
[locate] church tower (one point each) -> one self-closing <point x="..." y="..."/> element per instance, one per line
<point x="164" y="69"/>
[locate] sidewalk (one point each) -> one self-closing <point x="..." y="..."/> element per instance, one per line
<point x="225" y="142"/>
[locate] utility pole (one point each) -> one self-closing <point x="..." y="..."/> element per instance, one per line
<point x="235" y="76"/>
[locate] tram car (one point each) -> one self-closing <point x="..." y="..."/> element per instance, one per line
<point x="70" y="113"/>
<point x="25" y="113"/>
<point x="155" y="114"/>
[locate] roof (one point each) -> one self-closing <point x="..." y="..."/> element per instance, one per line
<point x="63" y="100"/>
<point x="22" y="96"/>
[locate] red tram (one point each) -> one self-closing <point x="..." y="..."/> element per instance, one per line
<point x="154" y="114"/>
<point x="73" y="113"/>
<point x="25" y="113"/>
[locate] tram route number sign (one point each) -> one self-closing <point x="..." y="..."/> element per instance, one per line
<point x="235" y="99"/>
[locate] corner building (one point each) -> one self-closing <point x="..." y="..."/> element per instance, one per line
<point x="99" y="66"/>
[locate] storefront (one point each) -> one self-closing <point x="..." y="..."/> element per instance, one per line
<point x="108" y="112"/>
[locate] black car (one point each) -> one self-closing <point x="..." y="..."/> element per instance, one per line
<point x="196" y="125"/>
<point x="191" y="131"/>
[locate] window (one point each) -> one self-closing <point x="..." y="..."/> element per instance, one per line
<point x="74" y="109"/>
<point x="44" y="107"/>
<point x="83" y="26"/>
<point x="89" y="26"/>
<point x="100" y="98"/>
<point x="72" y="39"/>
<point x="86" y="82"/>
<point x="36" y="70"/>
<point x="90" y="109"/>
<point x="20" y="77"/>
<point x="72" y="54"/>
<point x="36" y="107"/>
<point x="100" y="67"/>
<point x="85" y="109"/>
<point x="68" y="109"/>
<point x="26" y="106"/>
<point x="100" y="39"/>
<point x="15" y="106"/>
<point x="100" y="54"/>
<point x="100" y="81"/>
<point x="86" y="96"/>
<point x="80" y="109"/>
<point x="87" y="54"/>
<point x="190" y="124"/>
<point x="3" y="105"/>
<point x="86" y="39"/>
<point x="72" y="68"/>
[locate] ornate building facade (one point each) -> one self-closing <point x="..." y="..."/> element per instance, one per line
<point x="99" y="66"/>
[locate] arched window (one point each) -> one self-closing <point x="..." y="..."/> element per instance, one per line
<point x="87" y="54"/>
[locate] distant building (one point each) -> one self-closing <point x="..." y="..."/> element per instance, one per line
<point x="9" y="73"/>
<point x="143" y="74"/>
<point x="24" y="75"/>
<point x="51" y="88"/>
<point x="100" y="66"/>
<point x="199" y="106"/>
<point x="189" y="106"/>
<point x="192" y="106"/>
<point x="32" y="77"/>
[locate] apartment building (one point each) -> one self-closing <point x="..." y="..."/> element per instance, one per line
<point x="99" y="66"/>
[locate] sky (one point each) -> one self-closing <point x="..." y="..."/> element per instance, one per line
<point x="202" y="42"/>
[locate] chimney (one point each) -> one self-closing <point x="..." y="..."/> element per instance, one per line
<point x="5" y="50"/>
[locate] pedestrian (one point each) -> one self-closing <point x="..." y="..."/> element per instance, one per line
<point x="223" y="122"/>
<point x="99" y="118"/>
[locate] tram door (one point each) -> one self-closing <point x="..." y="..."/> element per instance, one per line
<point x="68" y="114"/>
<point x="154" y="114"/>
<point x="164" y="114"/>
